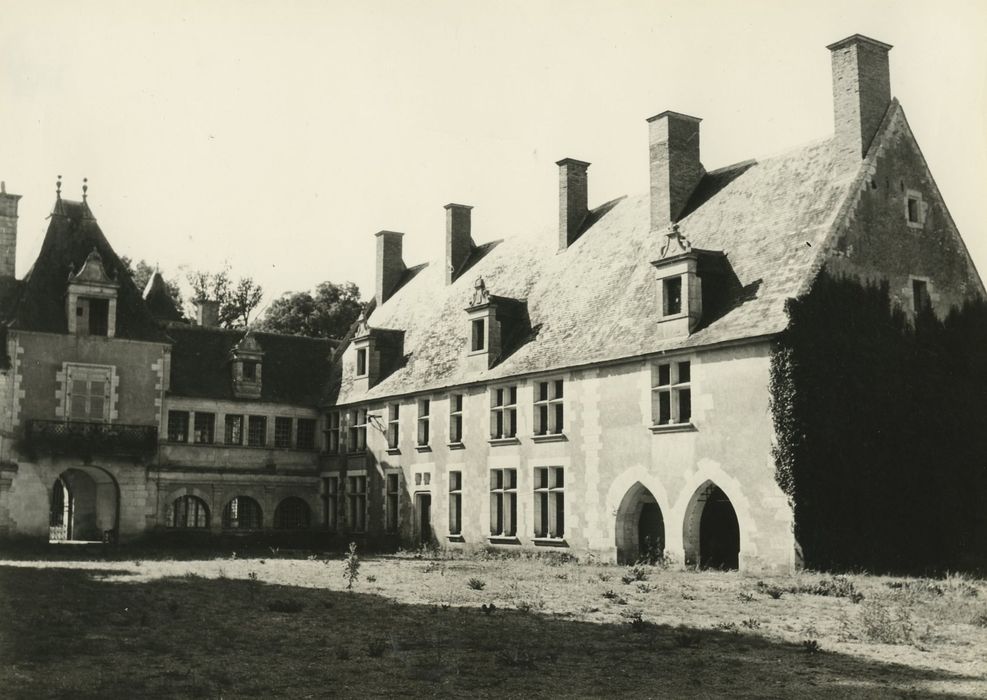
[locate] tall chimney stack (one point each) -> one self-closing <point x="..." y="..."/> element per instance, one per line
<point x="459" y="241"/>
<point x="8" y="231"/>
<point x="573" y="199"/>
<point x="861" y="90"/>
<point x="390" y="263"/>
<point x="675" y="166"/>
<point x="207" y="313"/>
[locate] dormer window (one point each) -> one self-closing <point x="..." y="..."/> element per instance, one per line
<point x="246" y="364"/>
<point x="91" y="300"/>
<point x="684" y="278"/>
<point x="672" y="296"/>
<point x="478" y="340"/>
<point x="361" y="362"/>
<point x="375" y="353"/>
<point x="494" y="324"/>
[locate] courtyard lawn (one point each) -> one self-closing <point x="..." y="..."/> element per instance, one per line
<point x="281" y="627"/>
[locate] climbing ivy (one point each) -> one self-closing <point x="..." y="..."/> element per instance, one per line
<point x="881" y="430"/>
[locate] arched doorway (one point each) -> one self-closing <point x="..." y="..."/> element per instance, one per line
<point x="712" y="531"/>
<point x="292" y="514"/>
<point x="242" y="513"/>
<point x="84" y="506"/>
<point x="640" y="527"/>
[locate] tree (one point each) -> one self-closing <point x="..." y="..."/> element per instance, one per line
<point x="327" y="313"/>
<point x="237" y="300"/>
<point x="141" y="272"/>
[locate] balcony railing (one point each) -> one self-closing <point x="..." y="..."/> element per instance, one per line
<point x="86" y="440"/>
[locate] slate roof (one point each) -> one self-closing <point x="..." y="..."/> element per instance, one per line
<point x="40" y="299"/>
<point x="595" y="301"/>
<point x="158" y="301"/>
<point x="294" y="369"/>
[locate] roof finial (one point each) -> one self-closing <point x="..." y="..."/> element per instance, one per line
<point x="85" y="188"/>
<point x="58" y="187"/>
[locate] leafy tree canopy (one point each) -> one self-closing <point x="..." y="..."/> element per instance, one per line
<point x="328" y="312"/>
<point x="237" y="298"/>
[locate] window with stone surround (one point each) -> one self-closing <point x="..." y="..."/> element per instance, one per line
<point x="455" y="419"/>
<point x="257" y="431"/>
<point x="361" y="362"/>
<point x="503" y="502"/>
<point x="914" y="209"/>
<point x="424" y="409"/>
<point x="503" y="412"/>
<point x="671" y="296"/>
<point x="671" y="393"/>
<point x="393" y="425"/>
<point x="478" y="333"/>
<point x="332" y="433"/>
<point x="549" y="409"/>
<point x="330" y="494"/>
<point x="88" y="393"/>
<point x="234" y="430"/>
<point x="357" y="438"/>
<point x="188" y="512"/>
<point x="282" y="432"/>
<point x="178" y="426"/>
<point x="242" y="513"/>
<point x="920" y="296"/>
<point x="305" y="440"/>
<point x="205" y="428"/>
<point x="455" y="502"/>
<point x="391" y="496"/>
<point x="549" y="502"/>
<point x="356" y="502"/>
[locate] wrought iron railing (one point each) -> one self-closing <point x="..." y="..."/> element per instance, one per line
<point x="85" y="440"/>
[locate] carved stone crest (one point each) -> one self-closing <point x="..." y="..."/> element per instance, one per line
<point x="675" y="243"/>
<point x="480" y="293"/>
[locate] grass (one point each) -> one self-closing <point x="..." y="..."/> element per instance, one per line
<point x="287" y="627"/>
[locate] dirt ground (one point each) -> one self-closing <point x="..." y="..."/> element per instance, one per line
<point x="288" y="627"/>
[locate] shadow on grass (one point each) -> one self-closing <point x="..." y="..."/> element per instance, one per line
<point x="65" y="632"/>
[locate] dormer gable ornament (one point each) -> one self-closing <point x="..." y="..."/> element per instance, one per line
<point x="481" y="295"/>
<point x="675" y="243"/>
<point x="362" y="327"/>
<point x="92" y="272"/>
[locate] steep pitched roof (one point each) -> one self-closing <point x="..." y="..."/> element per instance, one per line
<point x="72" y="235"/>
<point x="158" y="301"/>
<point x="294" y="370"/>
<point x="595" y="301"/>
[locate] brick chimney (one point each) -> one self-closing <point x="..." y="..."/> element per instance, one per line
<point x="459" y="242"/>
<point x="861" y="90"/>
<point x="8" y="231"/>
<point x="675" y="166"/>
<point x="390" y="263"/>
<point x="573" y="199"/>
<point x="207" y="313"/>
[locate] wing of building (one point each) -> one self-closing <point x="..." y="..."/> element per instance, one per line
<point x="601" y="387"/>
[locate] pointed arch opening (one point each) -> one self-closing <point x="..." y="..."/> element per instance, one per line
<point x="711" y="530"/>
<point x="640" y="527"/>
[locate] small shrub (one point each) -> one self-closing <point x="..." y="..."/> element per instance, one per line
<point x="686" y="595"/>
<point x="810" y="646"/>
<point x="645" y="587"/>
<point x="351" y="566"/>
<point x="726" y="626"/>
<point x="774" y="592"/>
<point x="342" y="653"/>
<point x="285" y="606"/>
<point x="371" y="579"/>
<point x="562" y="576"/>
<point x="252" y="576"/>
<point x="751" y="623"/>
<point x="636" y="573"/>
<point x="609" y="594"/>
<point x="979" y="620"/>
<point x="745" y="597"/>
<point x="376" y="647"/>
<point x="856" y="597"/>
<point x="603" y="576"/>
<point x="476" y="584"/>
<point x="621" y="600"/>
<point x="881" y="623"/>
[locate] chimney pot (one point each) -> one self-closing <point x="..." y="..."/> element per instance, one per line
<point x="390" y="263"/>
<point x="459" y="240"/>
<point x="861" y="90"/>
<point x="675" y="166"/>
<point x="573" y="199"/>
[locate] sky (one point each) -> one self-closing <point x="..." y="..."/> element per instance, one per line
<point x="278" y="137"/>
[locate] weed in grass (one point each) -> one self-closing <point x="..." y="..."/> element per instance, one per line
<point x="880" y="622"/>
<point x="751" y="623"/>
<point x="371" y="579"/>
<point x="138" y="562"/>
<point x="774" y="592"/>
<point x="643" y="587"/>
<point x="635" y="573"/>
<point x="434" y="565"/>
<point x="252" y="576"/>
<point x="285" y="606"/>
<point x="811" y="646"/>
<point x="476" y="584"/>
<point x="726" y="626"/>
<point x="609" y="594"/>
<point x="376" y="647"/>
<point x="351" y="566"/>
<point x="979" y="620"/>
<point x="342" y="653"/>
<point x="686" y="595"/>
<point x="488" y="609"/>
<point x="745" y="597"/>
<point x="604" y="576"/>
<point x="562" y="576"/>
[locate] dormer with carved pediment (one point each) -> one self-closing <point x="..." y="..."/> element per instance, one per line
<point x="247" y="363"/>
<point x="679" y="274"/>
<point x="493" y="322"/>
<point x="373" y="354"/>
<point x="91" y="299"/>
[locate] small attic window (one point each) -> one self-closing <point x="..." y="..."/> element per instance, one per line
<point x="478" y="335"/>
<point x="914" y="209"/>
<point x="672" y="296"/>
<point x="250" y="371"/>
<point x="920" y="296"/>
<point x="361" y="362"/>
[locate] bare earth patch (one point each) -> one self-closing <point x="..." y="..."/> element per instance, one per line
<point x="502" y="628"/>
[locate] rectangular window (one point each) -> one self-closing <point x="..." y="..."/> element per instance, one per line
<point x="205" y="428"/>
<point x="356" y="503"/>
<point x="393" y="425"/>
<point x="282" y="432"/>
<point x="88" y="394"/>
<point x="391" y="503"/>
<point x="250" y="371"/>
<point x="306" y="434"/>
<point x="358" y="430"/>
<point x="257" y="431"/>
<point x="456" y="418"/>
<point x="234" y="430"/>
<point x="920" y="296"/>
<point x="672" y="296"/>
<point x="503" y="502"/>
<point x="331" y="495"/>
<point x="503" y="413"/>
<point x="178" y="426"/>
<point x="548" y="407"/>
<point x="549" y="502"/>
<point x="99" y="316"/>
<point x="455" y="503"/>
<point x="671" y="395"/>
<point x="361" y="362"/>
<point x="332" y="433"/>
<point x="478" y="335"/>
<point x="424" y="406"/>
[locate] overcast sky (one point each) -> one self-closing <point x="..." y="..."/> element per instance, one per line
<point x="279" y="136"/>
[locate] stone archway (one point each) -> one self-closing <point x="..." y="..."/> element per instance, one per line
<point x="84" y="506"/>
<point x="711" y="531"/>
<point x="640" y="527"/>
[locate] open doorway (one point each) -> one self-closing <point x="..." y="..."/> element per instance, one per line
<point x="423" y="506"/>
